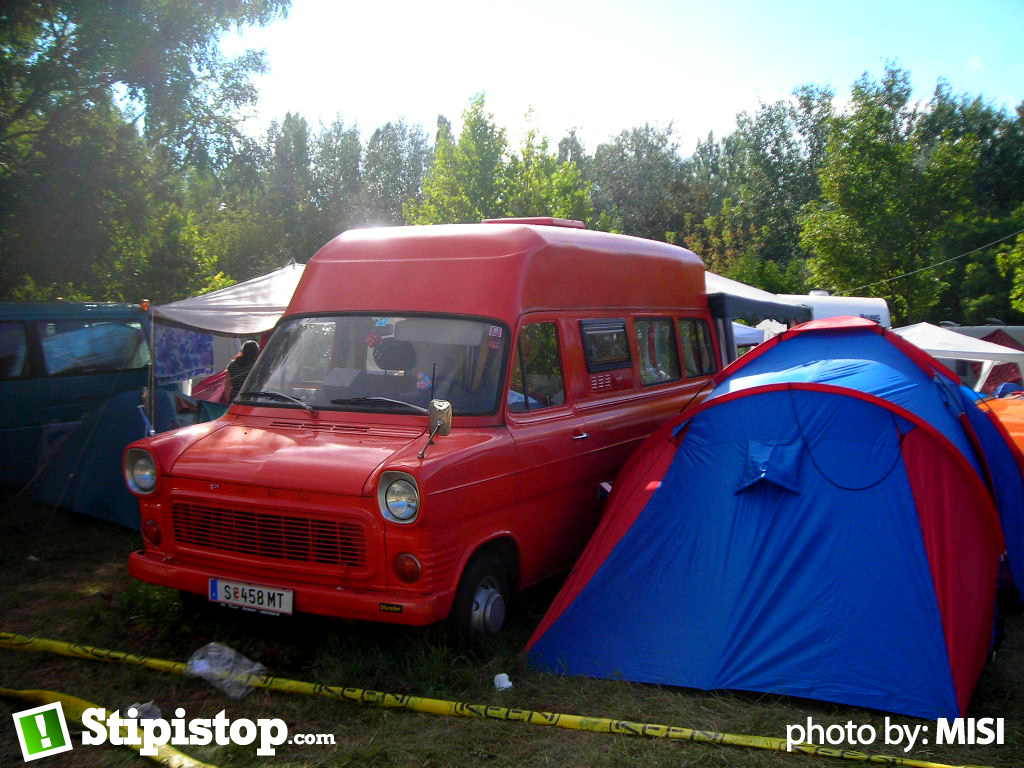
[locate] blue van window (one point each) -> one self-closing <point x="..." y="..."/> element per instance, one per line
<point x="13" y="351"/>
<point x="83" y="346"/>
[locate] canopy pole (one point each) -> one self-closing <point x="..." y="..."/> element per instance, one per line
<point x="986" y="369"/>
<point x="151" y="399"/>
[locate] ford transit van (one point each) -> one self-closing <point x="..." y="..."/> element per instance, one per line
<point x="430" y="424"/>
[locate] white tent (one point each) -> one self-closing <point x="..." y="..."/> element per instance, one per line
<point x="745" y="336"/>
<point x="950" y="345"/>
<point x="245" y="309"/>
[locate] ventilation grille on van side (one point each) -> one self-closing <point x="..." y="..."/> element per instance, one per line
<point x="263" y="534"/>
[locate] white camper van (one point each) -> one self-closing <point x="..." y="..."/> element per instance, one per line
<point x="823" y="305"/>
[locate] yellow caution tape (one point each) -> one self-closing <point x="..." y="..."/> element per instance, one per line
<point x="74" y="707"/>
<point x="440" y="707"/>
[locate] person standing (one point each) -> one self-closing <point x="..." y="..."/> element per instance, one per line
<point x="240" y="366"/>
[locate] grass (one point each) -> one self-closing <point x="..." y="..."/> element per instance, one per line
<point x="64" y="576"/>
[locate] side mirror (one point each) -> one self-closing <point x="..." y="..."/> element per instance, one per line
<point x="440" y="413"/>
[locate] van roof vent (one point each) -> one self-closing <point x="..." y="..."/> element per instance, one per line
<point x="548" y="221"/>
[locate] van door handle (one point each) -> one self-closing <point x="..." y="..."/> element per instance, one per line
<point x="581" y="436"/>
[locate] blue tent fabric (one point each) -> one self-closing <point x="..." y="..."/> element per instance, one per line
<point x="82" y="470"/>
<point x="879" y="368"/>
<point x="724" y="615"/>
<point x="774" y="462"/>
<point x="786" y="548"/>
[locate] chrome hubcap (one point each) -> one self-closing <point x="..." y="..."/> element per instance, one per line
<point x="488" y="615"/>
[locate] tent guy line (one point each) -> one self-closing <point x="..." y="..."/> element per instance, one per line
<point x="936" y="264"/>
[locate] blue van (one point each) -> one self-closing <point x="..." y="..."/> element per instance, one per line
<point x="66" y="369"/>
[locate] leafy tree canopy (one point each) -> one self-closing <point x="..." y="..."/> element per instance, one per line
<point x="160" y="58"/>
<point x="889" y="194"/>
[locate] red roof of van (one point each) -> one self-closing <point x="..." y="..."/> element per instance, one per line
<point x="495" y="270"/>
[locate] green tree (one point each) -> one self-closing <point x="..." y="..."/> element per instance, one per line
<point x="107" y="112"/>
<point x="888" y="197"/>
<point x="162" y="59"/>
<point x="537" y="183"/>
<point x="478" y="177"/>
<point x="1010" y="260"/>
<point x="998" y="180"/>
<point x="169" y="261"/>
<point x="336" y="182"/>
<point x="977" y="286"/>
<point x="63" y="211"/>
<point x="291" y="199"/>
<point x="744" y="195"/>
<point x="780" y="157"/>
<point x="464" y="183"/>
<point x="636" y="179"/>
<point x="396" y="161"/>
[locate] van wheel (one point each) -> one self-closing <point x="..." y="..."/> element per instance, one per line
<point x="482" y="601"/>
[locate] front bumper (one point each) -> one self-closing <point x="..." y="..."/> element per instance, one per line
<point x="342" y="602"/>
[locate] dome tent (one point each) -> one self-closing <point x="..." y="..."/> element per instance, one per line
<point x="825" y="525"/>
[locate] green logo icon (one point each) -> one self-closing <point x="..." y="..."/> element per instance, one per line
<point x="42" y="731"/>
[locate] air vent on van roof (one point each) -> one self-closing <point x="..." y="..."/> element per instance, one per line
<point x="548" y="221"/>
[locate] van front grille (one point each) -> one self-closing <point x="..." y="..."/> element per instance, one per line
<point x="265" y="534"/>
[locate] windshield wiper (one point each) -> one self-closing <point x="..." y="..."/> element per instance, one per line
<point x="279" y="396"/>
<point x="369" y="400"/>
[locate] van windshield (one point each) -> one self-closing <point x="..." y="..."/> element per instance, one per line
<point x="380" y="363"/>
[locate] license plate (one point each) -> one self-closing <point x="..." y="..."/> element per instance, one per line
<point x="252" y="596"/>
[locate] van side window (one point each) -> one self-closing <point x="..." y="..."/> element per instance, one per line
<point x="539" y="356"/>
<point x="659" y="357"/>
<point x="13" y="351"/>
<point x="605" y="344"/>
<point x="84" y="346"/>
<point x="700" y="359"/>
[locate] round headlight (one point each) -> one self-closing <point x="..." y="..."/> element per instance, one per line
<point x="140" y="471"/>
<point x="402" y="500"/>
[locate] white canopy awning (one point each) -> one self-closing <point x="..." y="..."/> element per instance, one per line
<point x="742" y="300"/>
<point x="245" y="309"/>
<point x="745" y="336"/>
<point x="950" y="345"/>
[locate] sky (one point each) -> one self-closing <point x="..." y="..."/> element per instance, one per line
<point x="602" y="67"/>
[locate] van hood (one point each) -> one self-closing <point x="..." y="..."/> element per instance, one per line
<point x="319" y="457"/>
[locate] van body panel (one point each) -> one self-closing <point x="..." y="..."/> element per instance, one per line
<point x="382" y="320"/>
<point x="555" y="489"/>
<point x="295" y="456"/>
<point x="496" y="270"/>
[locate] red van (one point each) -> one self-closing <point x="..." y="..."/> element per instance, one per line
<point x="429" y="426"/>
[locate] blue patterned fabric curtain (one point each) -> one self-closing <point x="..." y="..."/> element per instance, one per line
<point x="182" y="354"/>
